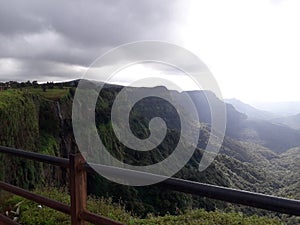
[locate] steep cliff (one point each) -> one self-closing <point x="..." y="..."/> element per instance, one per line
<point x="33" y="123"/>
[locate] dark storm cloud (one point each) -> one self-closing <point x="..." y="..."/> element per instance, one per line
<point x="76" y="32"/>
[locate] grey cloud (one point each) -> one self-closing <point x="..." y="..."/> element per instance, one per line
<point x="16" y="18"/>
<point x="48" y="46"/>
<point x="110" y="22"/>
<point x="29" y="69"/>
<point x="76" y="32"/>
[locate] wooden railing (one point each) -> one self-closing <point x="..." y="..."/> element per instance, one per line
<point x="78" y="190"/>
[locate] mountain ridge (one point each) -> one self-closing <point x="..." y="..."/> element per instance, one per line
<point x="250" y="111"/>
<point x="290" y="121"/>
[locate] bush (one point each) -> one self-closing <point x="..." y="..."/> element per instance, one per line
<point x="33" y="214"/>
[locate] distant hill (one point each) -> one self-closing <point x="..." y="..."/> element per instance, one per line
<point x="291" y="121"/>
<point x="250" y="111"/>
<point x="278" y="138"/>
<point x="262" y="128"/>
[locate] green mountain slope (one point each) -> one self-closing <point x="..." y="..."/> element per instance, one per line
<point x="37" y="122"/>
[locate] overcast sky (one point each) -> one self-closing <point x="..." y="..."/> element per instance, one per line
<point x="252" y="47"/>
<point x="59" y="39"/>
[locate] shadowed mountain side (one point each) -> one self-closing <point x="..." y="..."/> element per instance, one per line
<point x="276" y="137"/>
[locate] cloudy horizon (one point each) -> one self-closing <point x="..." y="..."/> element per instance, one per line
<point x="251" y="47"/>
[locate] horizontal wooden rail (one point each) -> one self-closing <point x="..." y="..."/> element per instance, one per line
<point x="77" y="167"/>
<point x="85" y="215"/>
<point x="4" y="220"/>
<point x="73" y="164"/>
<point x="94" y="218"/>
<point x="257" y="200"/>
<point x="58" y="161"/>
<point x="36" y="198"/>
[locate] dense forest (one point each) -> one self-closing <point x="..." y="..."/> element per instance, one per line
<point x="256" y="155"/>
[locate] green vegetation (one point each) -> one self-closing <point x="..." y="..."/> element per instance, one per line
<point x="19" y="129"/>
<point x="51" y="94"/>
<point x="38" y="120"/>
<point x="33" y="213"/>
<point x="201" y="217"/>
<point x="29" y="122"/>
<point x="30" y="213"/>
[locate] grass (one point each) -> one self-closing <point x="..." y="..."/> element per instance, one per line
<point x="51" y="94"/>
<point x="32" y="214"/>
<point x="7" y="97"/>
<point x="196" y="217"/>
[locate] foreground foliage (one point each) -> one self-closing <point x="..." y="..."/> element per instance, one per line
<point x="30" y="213"/>
<point x="195" y="217"/>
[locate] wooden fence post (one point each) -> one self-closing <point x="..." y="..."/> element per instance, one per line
<point x="78" y="188"/>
